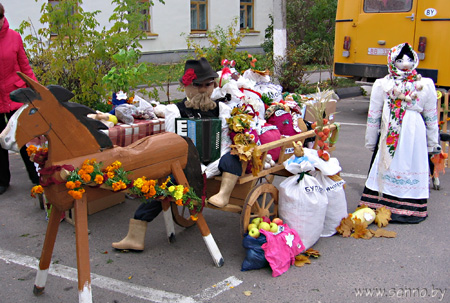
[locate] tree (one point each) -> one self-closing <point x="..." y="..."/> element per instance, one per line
<point x="70" y="50"/>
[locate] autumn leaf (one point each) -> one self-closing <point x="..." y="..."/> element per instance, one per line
<point x="312" y="253"/>
<point x="346" y="226"/>
<point x="301" y="260"/>
<point x="382" y="233"/>
<point x="360" y="230"/>
<point x="383" y="216"/>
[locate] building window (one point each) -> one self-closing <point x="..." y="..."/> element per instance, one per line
<point x="246" y="14"/>
<point x="199" y="15"/>
<point x="145" y="24"/>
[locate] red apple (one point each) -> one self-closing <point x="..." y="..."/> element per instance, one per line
<point x="254" y="232"/>
<point x="277" y="221"/>
<point x="266" y="219"/>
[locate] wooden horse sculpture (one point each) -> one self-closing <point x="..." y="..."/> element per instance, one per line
<point x="73" y="138"/>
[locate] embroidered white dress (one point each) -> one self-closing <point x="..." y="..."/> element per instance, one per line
<point x="408" y="174"/>
<point x="404" y="181"/>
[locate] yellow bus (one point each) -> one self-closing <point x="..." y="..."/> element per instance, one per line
<point x="367" y="29"/>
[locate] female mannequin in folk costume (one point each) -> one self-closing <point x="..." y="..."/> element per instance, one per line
<point x="402" y="128"/>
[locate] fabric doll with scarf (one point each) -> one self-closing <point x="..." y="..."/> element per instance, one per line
<point x="402" y="129"/>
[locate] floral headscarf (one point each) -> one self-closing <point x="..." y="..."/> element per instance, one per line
<point x="401" y="89"/>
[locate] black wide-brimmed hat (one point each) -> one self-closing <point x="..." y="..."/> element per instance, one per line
<point x="197" y="71"/>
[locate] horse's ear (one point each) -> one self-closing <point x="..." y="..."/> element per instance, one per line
<point x="24" y="95"/>
<point x="61" y="94"/>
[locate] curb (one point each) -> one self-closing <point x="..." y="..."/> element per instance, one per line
<point x="347" y="92"/>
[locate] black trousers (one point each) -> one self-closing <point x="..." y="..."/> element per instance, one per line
<point x="5" y="174"/>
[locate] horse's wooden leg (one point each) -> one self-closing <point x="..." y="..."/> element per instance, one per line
<point x="168" y="221"/>
<point x="82" y="243"/>
<point x="47" y="251"/>
<point x="209" y="241"/>
<point x="201" y="222"/>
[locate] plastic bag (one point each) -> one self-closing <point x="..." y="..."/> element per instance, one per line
<point x="125" y="112"/>
<point x="255" y="258"/>
<point x="302" y="201"/>
<point x="144" y="110"/>
<point x="281" y="248"/>
<point x="337" y="203"/>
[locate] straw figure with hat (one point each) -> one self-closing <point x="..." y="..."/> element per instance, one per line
<point x="198" y="81"/>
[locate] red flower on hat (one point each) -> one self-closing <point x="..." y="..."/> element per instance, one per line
<point x="188" y="77"/>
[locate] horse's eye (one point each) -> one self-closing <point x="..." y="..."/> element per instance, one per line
<point x="33" y="111"/>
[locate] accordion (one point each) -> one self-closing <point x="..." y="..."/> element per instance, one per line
<point x="205" y="133"/>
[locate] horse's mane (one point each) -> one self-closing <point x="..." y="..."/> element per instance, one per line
<point x="26" y="95"/>
<point x="80" y="111"/>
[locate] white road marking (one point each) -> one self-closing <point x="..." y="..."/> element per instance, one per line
<point x="356" y="176"/>
<point x="128" y="289"/>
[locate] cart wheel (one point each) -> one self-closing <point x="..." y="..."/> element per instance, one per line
<point x="262" y="201"/>
<point x="181" y="215"/>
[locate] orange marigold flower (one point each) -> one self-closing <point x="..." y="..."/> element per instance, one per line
<point x="110" y="174"/>
<point x="77" y="184"/>
<point x="179" y="202"/>
<point x="145" y="188"/>
<point x="81" y="172"/>
<point x="152" y="191"/>
<point x="89" y="169"/>
<point x="31" y="150"/>
<point x="185" y="190"/>
<point x="77" y="195"/>
<point x="86" y="178"/>
<point x="70" y="185"/>
<point x="194" y="218"/>
<point x="98" y="179"/>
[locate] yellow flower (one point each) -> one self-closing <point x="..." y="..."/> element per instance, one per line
<point x="98" y="179"/>
<point x="171" y="188"/>
<point x="138" y="183"/>
<point x="110" y="174"/>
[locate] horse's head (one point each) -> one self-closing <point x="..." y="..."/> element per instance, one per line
<point x="33" y="118"/>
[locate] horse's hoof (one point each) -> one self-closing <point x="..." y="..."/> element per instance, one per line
<point x="37" y="291"/>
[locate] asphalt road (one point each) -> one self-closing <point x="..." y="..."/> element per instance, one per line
<point x="413" y="267"/>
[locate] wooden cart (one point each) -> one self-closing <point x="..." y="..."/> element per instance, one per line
<point x="254" y="196"/>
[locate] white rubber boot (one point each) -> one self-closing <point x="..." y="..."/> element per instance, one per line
<point x="226" y="187"/>
<point x="135" y="238"/>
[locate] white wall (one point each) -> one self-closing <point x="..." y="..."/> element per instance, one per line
<point x="168" y="21"/>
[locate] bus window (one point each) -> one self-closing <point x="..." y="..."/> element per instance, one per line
<point x="387" y="6"/>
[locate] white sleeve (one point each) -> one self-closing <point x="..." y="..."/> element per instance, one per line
<point x="377" y="98"/>
<point x="429" y="113"/>
<point x="170" y="113"/>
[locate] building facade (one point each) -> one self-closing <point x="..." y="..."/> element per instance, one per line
<point x="169" y="24"/>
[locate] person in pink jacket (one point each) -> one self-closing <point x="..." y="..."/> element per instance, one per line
<point x="12" y="60"/>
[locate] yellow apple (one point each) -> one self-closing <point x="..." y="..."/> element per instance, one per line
<point x="257" y="221"/>
<point x="264" y="225"/>
<point x="254" y="232"/>
<point x="251" y="225"/>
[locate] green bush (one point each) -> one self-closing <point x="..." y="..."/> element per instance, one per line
<point x="72" y="52"/>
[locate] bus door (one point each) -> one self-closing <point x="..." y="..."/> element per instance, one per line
<point x="381" y="25"/>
